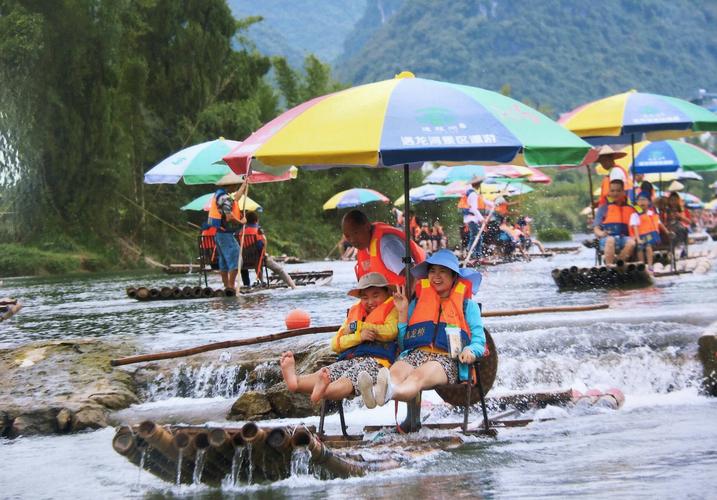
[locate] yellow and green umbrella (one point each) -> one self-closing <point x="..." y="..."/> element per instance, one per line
<point x="354" y="198"/>
<point x="202" y="203"/>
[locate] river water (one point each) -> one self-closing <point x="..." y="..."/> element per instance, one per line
<point x="661" y="444"/>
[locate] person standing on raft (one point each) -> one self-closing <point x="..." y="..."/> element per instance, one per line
<point x="381" y="247"/>
<point x="365" y="342"/>
<point x="226" y="217"/>
<point x="442" y="305"/>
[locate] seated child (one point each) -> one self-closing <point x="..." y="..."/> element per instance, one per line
<point x="365" y="342"/>
<point x="443" y="301"/>
<point x="645" y="227"/>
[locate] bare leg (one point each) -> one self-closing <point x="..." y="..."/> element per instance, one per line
<point x="340" y="389"/>
<point x="317" y="394"/>
<point x="627" y="251"/>
<point x="650" y="256"/>
<point x="232" y="279"/>
<point x="640" y="256"/>
<point x="540" y="246"/>
<point x="610" y="251"/>
<point x="225" y="278"/>
<point x="400" y="370"/>
<point x="427" y="375"/>
<point x="302" y="383"/>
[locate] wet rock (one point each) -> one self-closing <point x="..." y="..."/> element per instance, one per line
<point x="62" y="386"/>
<point x="708" y="356"/>
<point x="287" y="404"/>
<point x="252" y="405"/>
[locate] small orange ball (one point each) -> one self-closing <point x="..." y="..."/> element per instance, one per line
<point x="297" y="318"/>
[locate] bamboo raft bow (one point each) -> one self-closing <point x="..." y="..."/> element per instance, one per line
<point x="143" y="293"/>
<point x="252" y="454"/>
<point x="618" y="276"/>
<point x="323" y="329"/>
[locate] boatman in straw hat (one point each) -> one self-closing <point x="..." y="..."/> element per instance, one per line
<point x="381" y="247"/>
<point x="606" y="159"/>
<point x="471" y="204"/>
<point x="225" y="215"/>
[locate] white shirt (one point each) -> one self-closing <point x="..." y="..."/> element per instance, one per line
<point x="474" y="215"/>
<point x="393" y="250"/>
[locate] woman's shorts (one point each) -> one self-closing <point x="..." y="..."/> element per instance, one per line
<point x="227" y="251"/>
<point x="620" y="241"/>
<point x="350" y="368"/>
<point x="418" y="357"/>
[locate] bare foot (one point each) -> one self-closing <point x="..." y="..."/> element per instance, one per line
<point x="320" y="387"/>
<point x="288" y="370"/>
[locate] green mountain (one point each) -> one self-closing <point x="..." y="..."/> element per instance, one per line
<point x="296" y="28"/>
<point x="555" y="53"/>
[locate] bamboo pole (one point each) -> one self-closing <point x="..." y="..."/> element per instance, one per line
<point x="322" y="329"/>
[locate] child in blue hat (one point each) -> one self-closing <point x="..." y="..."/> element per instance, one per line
<point x="442" y="308"/>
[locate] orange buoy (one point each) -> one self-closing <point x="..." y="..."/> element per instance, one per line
<point x="297" y="318"/>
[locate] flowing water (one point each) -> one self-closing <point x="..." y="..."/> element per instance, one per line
<point x="661" y="444"/>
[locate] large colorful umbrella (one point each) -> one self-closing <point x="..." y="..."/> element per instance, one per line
<point x="668" y="156"/>
<point x="202" y="164"/>
<point x="491" y="190"/>
<point x="202" y="203"/>
<point x="354" y="198"/>
<point x="407" y="120"/>
<point x="673" y="176"/>
<point x="624" y="117"/>
<point x="427" y="192"/>
<point x="449" y="174"/>
<point x="711" y="205"/>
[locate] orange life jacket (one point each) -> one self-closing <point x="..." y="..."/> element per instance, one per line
<point x="253" y="235"/>
<point x="427" y="324"/>
<point x="617" y="219"/>
<point x="649" y="228"/>
<point x="463" y="202"/>
<point x="218" y="219"/>
<point x="356" y="317"/>
<point x="369" y="259"/>
<point x="502" y="209"/>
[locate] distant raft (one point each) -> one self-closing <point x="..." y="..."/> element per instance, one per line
<point x="619" y="276"/>
<point x="145" y="293"/>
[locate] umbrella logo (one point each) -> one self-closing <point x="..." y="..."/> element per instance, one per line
<point x="435" y="116"/>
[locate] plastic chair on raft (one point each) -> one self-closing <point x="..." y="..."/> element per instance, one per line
<point x="464" y="394"/>
<point x="207" y="255"/>
<point x="253" y="257"/>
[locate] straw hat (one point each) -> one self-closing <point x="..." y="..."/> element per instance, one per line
<point x="367" y="281"/>
<point x="608" y="151"/>
<point x="477" y="178"/>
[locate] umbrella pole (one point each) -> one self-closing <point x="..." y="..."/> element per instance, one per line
<point x="632" y="167"/>
<point x="590" y="185"/>
<point x="243" y="214"/>
<point x="407" y="228"/>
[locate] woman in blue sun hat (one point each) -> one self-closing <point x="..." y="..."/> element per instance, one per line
<point x="442" y="308"/>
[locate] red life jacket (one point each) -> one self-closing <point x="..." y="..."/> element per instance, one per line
<point x="252" y="236"/>
<point x="369" y="259"/>
<point x="427" y="324"/>
<point x="356" y="318"/>
<point x="617" y="219"/>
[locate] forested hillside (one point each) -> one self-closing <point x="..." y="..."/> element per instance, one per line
<point x="296" y="28"/>
<point x="558" y="53"/>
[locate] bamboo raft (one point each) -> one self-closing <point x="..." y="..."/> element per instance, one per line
<point x="143" y="293"/>
<point x="562" y="249"/>
<point x="252" y="454"/>
<point x="8" y="308"/>
<point x="619" y="276"/>
<point x="182" y="268"/>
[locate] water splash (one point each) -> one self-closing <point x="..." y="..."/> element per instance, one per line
<point x="142" y="459"/>
<point x="250" y="465"/>
<point x="300" y="462"/>
<point x="236" y="464"/>
<point x="199" y="466"/>
<point x="208" y="380"/>
<point x="179" y="467"/>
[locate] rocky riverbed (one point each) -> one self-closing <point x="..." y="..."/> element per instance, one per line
<point x="56" y="387"/>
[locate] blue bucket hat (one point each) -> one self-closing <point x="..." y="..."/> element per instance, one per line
<point x="446" y="258"/>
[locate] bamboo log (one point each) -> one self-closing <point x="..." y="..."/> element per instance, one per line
<point x="197" y="291"/>
<point x="219" y="292"/>
<point x="222" y="446"/>
<point x="323" y="329"/>
<point x="176" y="293"/>
<point x="279" y="438"/>
<point x="142" y="293"/>
<point x="321" y="455"/>
<point x="131" y="292"/>
<point x="11" y="311"/>
<point x="165" y="292"/>
<point x="187" y="292"/>
<point x="127" y="444"/>
<point x="153" y="293"/>
<point x="160" y="438"/>
<point x="207" y="292"/>
<point x="252" y="434"/>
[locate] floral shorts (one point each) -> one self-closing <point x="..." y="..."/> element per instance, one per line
<point x="418" y="357"/>
<point x="350" y="368"/>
